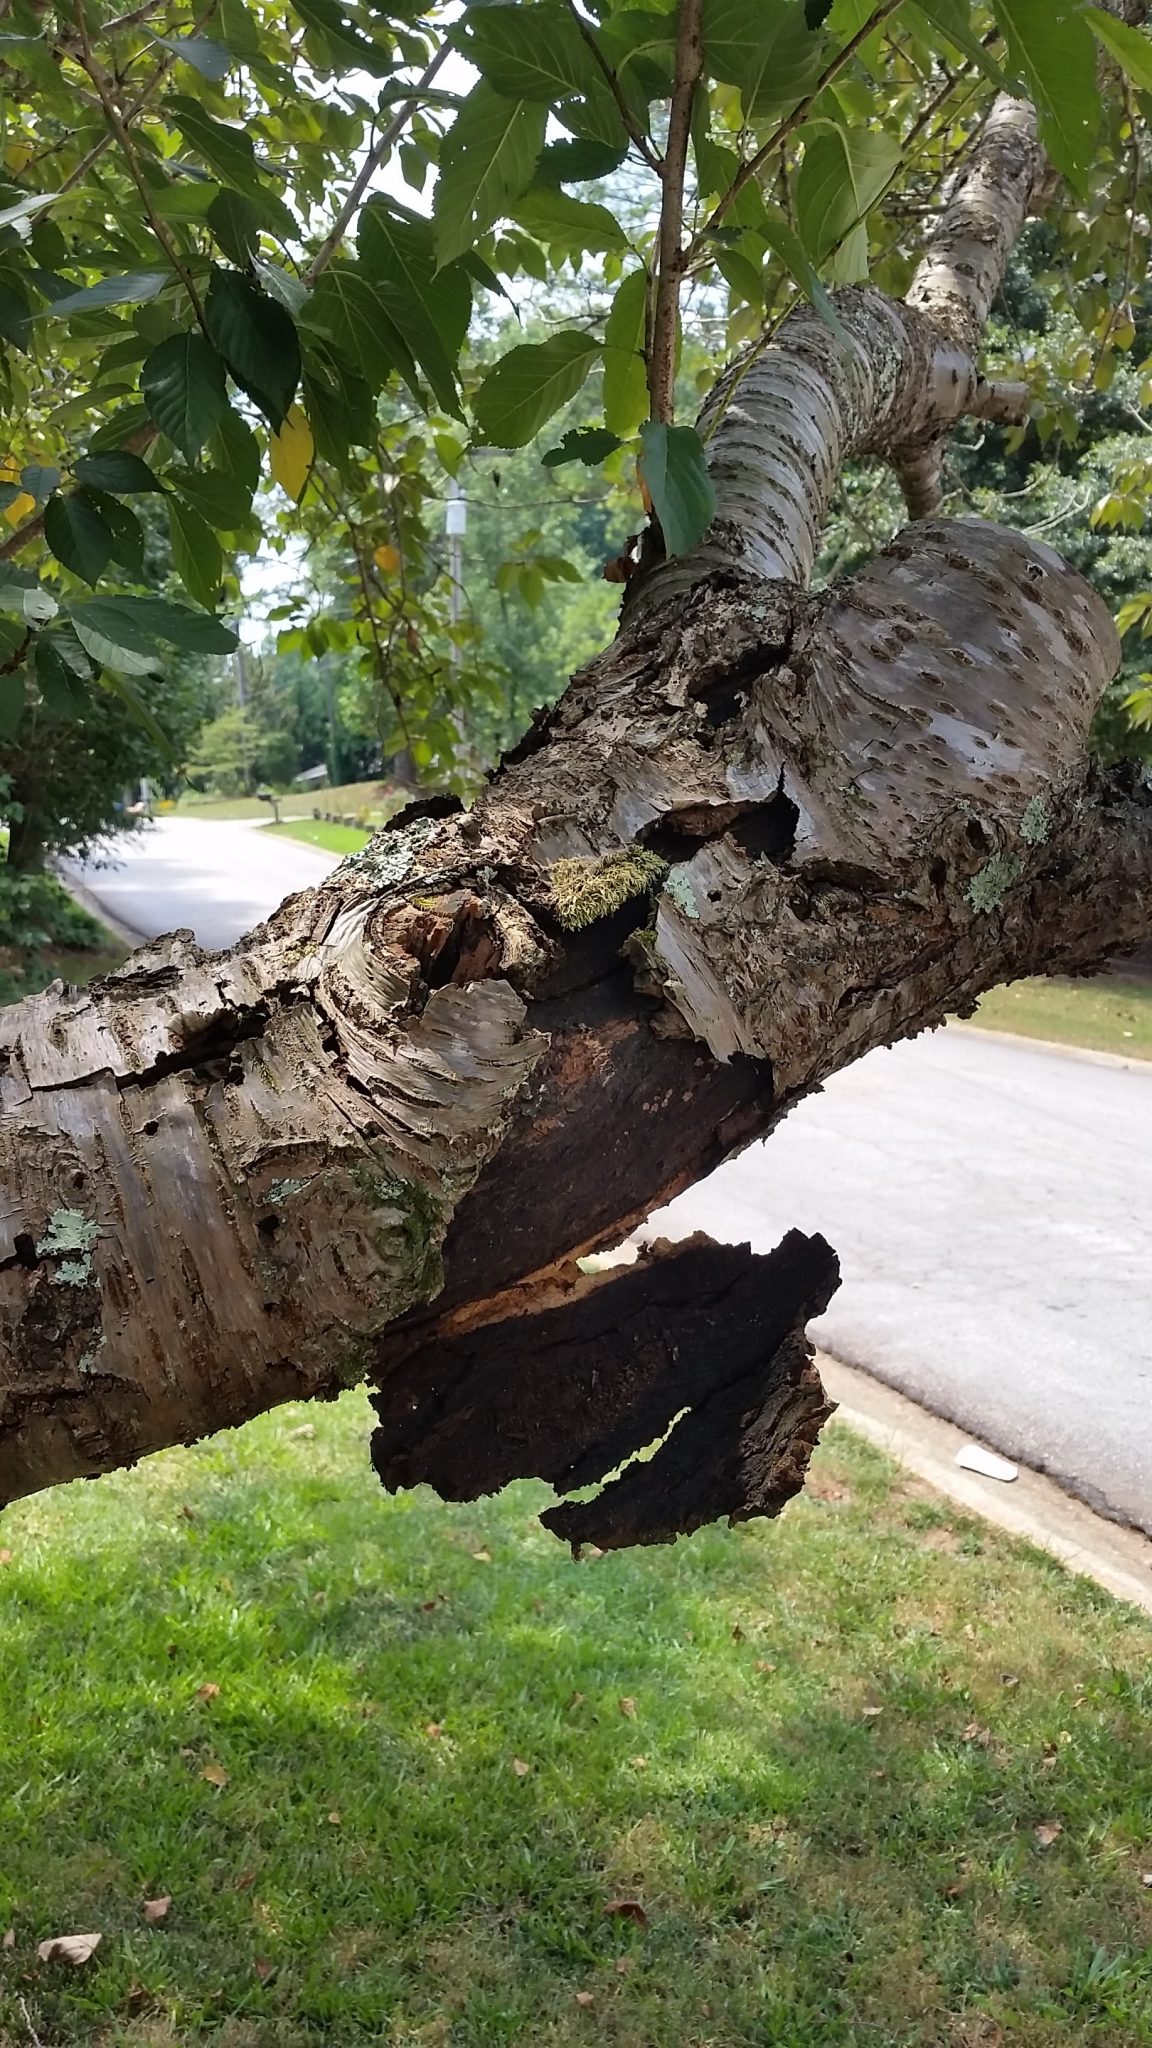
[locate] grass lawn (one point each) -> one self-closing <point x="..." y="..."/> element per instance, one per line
<point x="872" y="1776"/>
<point x="314" y="832"/>
<point x="1108" y="1016"/>
<point x="349" y="796"/>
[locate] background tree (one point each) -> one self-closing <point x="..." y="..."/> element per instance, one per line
<point x="766" y="831"/>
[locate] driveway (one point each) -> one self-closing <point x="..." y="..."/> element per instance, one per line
<point x="219" y="878"/>
<point x="991" y="1201"/>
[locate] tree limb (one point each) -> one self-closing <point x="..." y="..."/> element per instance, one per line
<point x="671" y="257"/>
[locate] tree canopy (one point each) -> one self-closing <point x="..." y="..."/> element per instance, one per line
<point x="258" y="267"/>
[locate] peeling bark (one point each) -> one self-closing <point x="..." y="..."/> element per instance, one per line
<point x="764" y="833"/>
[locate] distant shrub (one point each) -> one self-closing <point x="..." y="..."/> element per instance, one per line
<point x="35" y="911"/>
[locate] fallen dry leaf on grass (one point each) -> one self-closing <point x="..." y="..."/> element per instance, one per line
<point x="69" y="1948"/>
<point x="156" y="1910"/>
<point x="628" y="1709"/>
<point x="1047" y="1832"/>
<point x="627" y="1909"/>
<point x="5" y="1557"/>
<point x="1145" y="1879"/>
<point x="584" y="1998"/>
<point x="263" y="1968"/>
<point x="520" y="1767"/>
<point x="303" y="1433"/>
<point x="215" y="1774"/>
<point x="335" y="1819"/>
<point x="9" y="1939"/>
<point x="975" y="1733"/>
<point x="208" y="1692"/>
<point x="434" y="1730"/>
<point x="482" y="1556"/>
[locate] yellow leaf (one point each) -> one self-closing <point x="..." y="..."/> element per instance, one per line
<point x="293" y="452"/>
<point x="388" y="559"/>
<point x="17" y="155"/>
<point x="21" y="506"/>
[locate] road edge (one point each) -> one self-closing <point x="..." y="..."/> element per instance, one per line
<point x="1032" y="1506"/>
<point x="92" y="904"/>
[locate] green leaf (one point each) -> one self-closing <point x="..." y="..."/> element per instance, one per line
<point x="952" y="20"/>
<point x="234" y="447"/>
<point x="431" y="308"/>
<point x="209" y="58"/>
<point x="227" y="151"/>
<point x="15" y="316"/>
<point x="571" y="224"/>
<point x="126" y="530"/>
<point x="196" y="553"/>
<point x="258" y="341"/>
<point x="217" y="496"/>
<point x="589" y="445"/>
<point x="1050" y="46"/>
<point x="533" y="52"/>
<point x="12" y="702"/>
<point x="77" y="535"/>
<point x="141" y="624"/>
<point x="1130" y="47"/>
<point x="350" y="309"/>
<point x="531" y="383"/>
<point x="342" y="412"/>
<point x="328" y="21"/>
<point x="843" y="173"/>
<point x="39" y="479"/>
<point x="117" y="470"/>
<point x="56" y="679"/>
<point x="235" y="225"/>
<point x="183" y="386"/>
<point x="573" y="158"/>
<point x="625" y="369"/>
<point x="672" y="465"/>
<point x="789" y="248"/>
<point x="771" y="53"/>
<point x="282" y="284"/>
<point x="135" y="288"/>
<point x="22" y="592"/>
<point x="486" y="160"/>
<point x="108" y="652"/>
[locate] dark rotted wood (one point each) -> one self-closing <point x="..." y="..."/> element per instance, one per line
<point x="614" y="1121"/>
<point x="602" y="1372"/>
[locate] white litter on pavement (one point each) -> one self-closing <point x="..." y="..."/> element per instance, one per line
<point x="974" y="1458"/>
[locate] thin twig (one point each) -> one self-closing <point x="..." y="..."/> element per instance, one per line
<point x="755" y="164"/>
<point x="116" y="122"/>
<point x="635" y="132"/>
<point x="369" y="168"/>
<point x="666" y="313"/>
<point x="137" y="443"/>
<point x="131" y="113"/>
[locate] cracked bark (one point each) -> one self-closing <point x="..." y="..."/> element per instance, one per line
<point x="764" y="833"/>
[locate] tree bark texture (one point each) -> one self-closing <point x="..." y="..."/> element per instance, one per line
<point x="765" y="832"/>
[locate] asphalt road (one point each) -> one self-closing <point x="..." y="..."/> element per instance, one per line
<point x="991" y="1201"/>
<point x="217" y="878"/>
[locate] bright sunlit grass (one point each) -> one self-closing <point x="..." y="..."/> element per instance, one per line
<point x="814" y="1753"/>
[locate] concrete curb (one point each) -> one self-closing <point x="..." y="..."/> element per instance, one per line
<point x="1031" y="1506"/>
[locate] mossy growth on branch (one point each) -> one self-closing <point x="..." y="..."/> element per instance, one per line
<point x="584" y="890"/>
